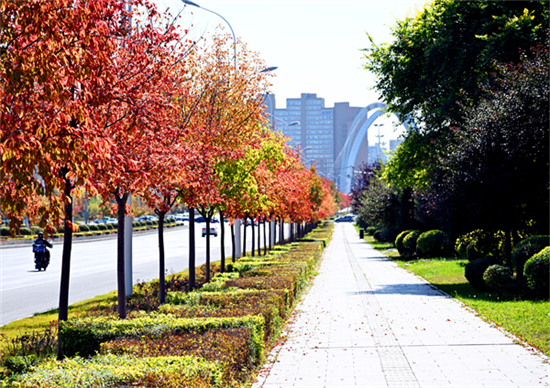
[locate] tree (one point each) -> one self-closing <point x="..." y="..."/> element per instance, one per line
<point x="437" y="63"/>
<point x="495" y="176"/>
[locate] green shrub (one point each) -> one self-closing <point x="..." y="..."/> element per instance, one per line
<point x="93" y="228"/>
<point x="102" y="227"/>
<point x="370" y="230"/>
<point x="123" y="370"/>
<point x="537" y="272"/>
<point x="36" y="229"/>
<point x="148" y="223"/>
<point x="84" y="228"/>
<point x="433" y="243"/>
<point x="474" y="271"/>
<point x="409" y="242"/>
<point x="25" y="232"/>
<point x="399" y="243"/>
<point x="478" y="244"/>
<point x="498" y="278"/>
<point x="378" y="236"/>
<point x="19" y="364"/>
<point x="110" y="226"/>
<point x="526" y="249"/>
<point x="5" y="232"/>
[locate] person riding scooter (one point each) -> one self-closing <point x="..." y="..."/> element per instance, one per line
<point x="41" y="254"/>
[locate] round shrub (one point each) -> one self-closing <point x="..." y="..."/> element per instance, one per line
<point x="474" y="271"/>
<point x="370" y="230"/>
<point x="432" y="243"/>
<point x="101" y="227"/>
<point x="4" y="232"/>
<point x="537" y="272"/>
<point x="84" y="228"/>
<point x="399" y="242"/>
<point x="36" y="229"/>
<point x="527" y="248"/>
<point x="149" y="223"/>
<point x="498" y="278"/>
<point x="409" y="242"/>
<point x="25" y="232"/>
<point x="478" y="244"/>
<point x="378" y="236"/>
<point x="93" y="228"/>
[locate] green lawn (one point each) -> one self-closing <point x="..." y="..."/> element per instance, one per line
<point x="527" y="319"/>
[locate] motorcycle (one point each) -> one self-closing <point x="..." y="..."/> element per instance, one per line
<point x="41" y="256"/>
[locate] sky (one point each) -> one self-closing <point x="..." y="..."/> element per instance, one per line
<point x="316" y="45"/>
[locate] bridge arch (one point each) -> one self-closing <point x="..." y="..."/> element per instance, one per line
<point x="358" y="132"/>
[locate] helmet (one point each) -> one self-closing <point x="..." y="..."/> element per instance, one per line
<point x="40" y="235"/>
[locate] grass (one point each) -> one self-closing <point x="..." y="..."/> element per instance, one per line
<point x="526" y="319"/>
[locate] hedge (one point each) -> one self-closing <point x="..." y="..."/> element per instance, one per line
<point x="84" y="336"/>
<point x="123" y="370"/>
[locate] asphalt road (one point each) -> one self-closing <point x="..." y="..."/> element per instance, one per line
<point x="24" y="291"/>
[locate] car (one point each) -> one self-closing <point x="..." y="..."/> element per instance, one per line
<point x="146" y="218"/>
<point x="200" y="219"/>
<point x="348" y="218"/>
<point x="213" y="232"/>
<point x="105" y="220"/>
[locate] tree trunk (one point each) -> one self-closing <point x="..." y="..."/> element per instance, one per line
<point x="281" y="231"/>
<point x="508" y="249"/>
<point x="252" y="251"/>
<point x="63" y="312"/>
<point x="233" y="242"/>
<point x="259" y="238"/>
<point x="265" y="238"/>
<point x="162" y="262"/>
<point x="207" y="249"/>
<point x="121" y="276"/>
<point x="192" y="274"/>
<point x="222" y="243"/>
<point x="244" y="239"/>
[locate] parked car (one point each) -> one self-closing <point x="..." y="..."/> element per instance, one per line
<point x="199" y="219"/>
<point x="348" y="218"/>
<point x="213" y="232"/>
<point x="146" y="218"/>
<point x="105" y="220"/>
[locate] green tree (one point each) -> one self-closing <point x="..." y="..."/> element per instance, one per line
<point x="436" y="65"/>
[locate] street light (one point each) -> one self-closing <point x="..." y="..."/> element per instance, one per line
<point x="231" y="28"/>
<point x="379" y="136"/>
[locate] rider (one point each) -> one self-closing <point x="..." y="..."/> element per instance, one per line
<point x="41" y="241"/>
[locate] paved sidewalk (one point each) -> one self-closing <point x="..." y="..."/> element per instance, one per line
<point x="367" y="323"/>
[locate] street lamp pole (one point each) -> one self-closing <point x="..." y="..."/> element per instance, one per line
<point x="379" y="137"/>
<point x="225" y="20"/>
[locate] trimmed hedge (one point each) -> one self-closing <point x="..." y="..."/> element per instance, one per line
<point x="409" y="242"/>
<point x="84" y="228"/>
<point x="526" y="249"/>
<point x="123" y="370"/>
<point x="498" y="278"/>
<point x="433" y="243"/>
<point x="474" y="271"/>
<point x="230" y="348"/>
<point x="399" y="243"/>
<point x="84" y="336"/>
<point x="537" y="272"/>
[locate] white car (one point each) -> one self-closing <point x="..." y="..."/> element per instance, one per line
<point x="213" y="232"/>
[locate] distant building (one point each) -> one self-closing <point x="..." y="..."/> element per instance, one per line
<point x="319" y="131"/>
<point x="394" y="143"/>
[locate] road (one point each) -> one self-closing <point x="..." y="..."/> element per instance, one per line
<point x="24" y="291"/>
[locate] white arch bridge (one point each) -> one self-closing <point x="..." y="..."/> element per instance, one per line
<point x="357" y="140"/>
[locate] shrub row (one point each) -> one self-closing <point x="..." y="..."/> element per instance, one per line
<point x="122" y="370"/>
<point x="414" y="243"/>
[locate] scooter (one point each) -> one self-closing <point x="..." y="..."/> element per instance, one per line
<point x="41" y="257"/>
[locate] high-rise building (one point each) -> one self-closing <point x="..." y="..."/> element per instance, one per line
<point x="320" y="132"/>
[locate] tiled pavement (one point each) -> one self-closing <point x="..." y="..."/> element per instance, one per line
<point x="367" y="323"/>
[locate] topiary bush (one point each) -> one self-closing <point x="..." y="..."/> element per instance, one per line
<point x="84" y="228"/>
<point x="4" y="232"/>
<point x="498" y="278"/>
<point x="399" y="242"/>
<point x="478" y="244"/>
<point x="409" y="242"/>
<point x="474" y="271"/>
<point x="102" y="227"/>
<point x="432" y="243"/>
<point x="93" y="228"/>
<point x="25" y="232"/>
<point x="537" y="272"/>
<point x="526" y="249"/>
<point x="378" y="236"/>
<point x="36" y="229"/>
